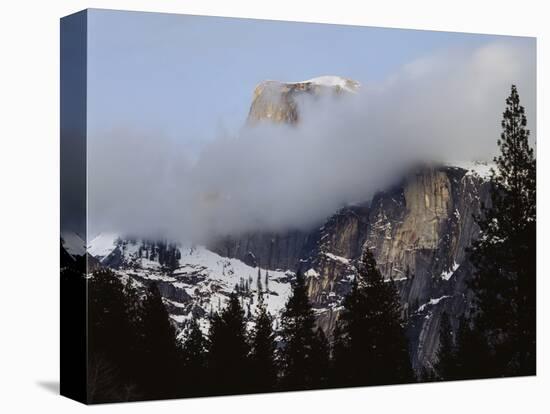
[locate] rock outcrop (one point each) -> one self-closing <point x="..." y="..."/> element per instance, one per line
<point x="278" y="101"/>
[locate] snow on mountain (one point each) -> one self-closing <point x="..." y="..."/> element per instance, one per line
<point x="73" y="243"/>
<point x="222" y="276"/>
<point x="447" y="274"/>
<point x="102" y="245"/>
<point x="432" y="302"/>
<point x="334" y="257"/>
<point x="481" y="169"/>
<point x="202" y="281"/>
<point x="329" y="81"/>
<point x="335" y="81"/>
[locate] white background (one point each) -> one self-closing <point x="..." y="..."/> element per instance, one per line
<point x="29" y="206"/>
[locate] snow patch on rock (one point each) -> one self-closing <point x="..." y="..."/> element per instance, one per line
<point x="447" y="274"/>
<point x="432" y="302"/>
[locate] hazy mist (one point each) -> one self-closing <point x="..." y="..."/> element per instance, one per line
<point x="441" y="108"/>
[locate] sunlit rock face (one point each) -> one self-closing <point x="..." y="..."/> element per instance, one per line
<point x="278" y="102"/>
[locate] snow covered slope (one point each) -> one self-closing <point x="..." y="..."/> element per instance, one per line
<point x="73" y="243"/>
<point x="200" y="283"/>
<point x="102" y="245"/>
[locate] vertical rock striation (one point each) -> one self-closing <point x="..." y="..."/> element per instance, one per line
<point x="418" y="231"/>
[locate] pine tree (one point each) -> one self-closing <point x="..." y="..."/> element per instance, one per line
<point x="390" y="359"/>
<point x="374" y="345"/>
<point x="162" y="253"/>
<point x="132" y="303"/>
<point x="228" y="353"/>
<point x="172" y="258"/>
<point x="505" y="254"/>
<point x="338" y="360"/>
<point x="194" y="361"/>
<point x="473" y="358"/>
<point x="446" y="367"/>
<point x="320" y="357"/>
<point x="133" y="314"/>
<point x="350" y="338"/>
<point x="110" y="339"/>
<point x="299" y="339"/>
<point x="262" y="358"/>
<point x="259" y="286"/>
<point x="159" y="351"/>
<point x="107" y="312"/>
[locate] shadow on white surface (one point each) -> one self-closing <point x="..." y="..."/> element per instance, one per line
<point x="50" y="386"/>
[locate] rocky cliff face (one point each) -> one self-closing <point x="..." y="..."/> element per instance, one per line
<point x="269" y="250"/>
<point x="418" y="231"/>
<point x="279" y="101"/>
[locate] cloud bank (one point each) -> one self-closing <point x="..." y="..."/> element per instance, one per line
<point x="442" y="108"/>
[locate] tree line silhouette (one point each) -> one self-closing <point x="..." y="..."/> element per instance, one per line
<point x="134" y="353"/>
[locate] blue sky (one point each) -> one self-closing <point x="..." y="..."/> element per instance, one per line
<point x="190" y="77"/>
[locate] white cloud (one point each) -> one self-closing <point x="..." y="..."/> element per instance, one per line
<point x="439" y="108"/>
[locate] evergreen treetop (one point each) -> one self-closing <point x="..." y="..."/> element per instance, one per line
<point x="297" y="324"/>
<point x="505" y="254"/>
<point x="262" y="357"/>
